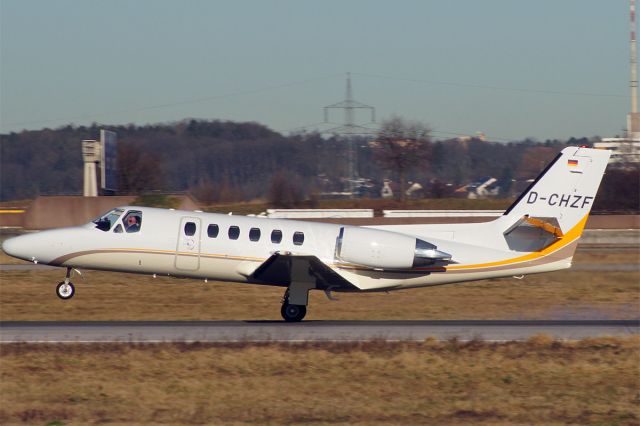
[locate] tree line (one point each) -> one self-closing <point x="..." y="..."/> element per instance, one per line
<point x="222" y="161"/>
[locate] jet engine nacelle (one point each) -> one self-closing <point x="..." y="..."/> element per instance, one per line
<point x="384" y="249"/>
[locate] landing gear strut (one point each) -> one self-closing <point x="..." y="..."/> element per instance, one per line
<point x="65" y="289"/>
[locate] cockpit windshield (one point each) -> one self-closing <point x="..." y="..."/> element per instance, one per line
<point x="106" y="221"/>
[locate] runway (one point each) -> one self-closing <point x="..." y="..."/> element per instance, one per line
<point x="277" y="331"/>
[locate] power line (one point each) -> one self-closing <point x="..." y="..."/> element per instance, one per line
<point x="488" y="87"/>
<point x="177" y="103"/>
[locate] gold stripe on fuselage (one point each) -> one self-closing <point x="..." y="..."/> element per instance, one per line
<point x="570" y="237"/>
<point x="60" y="260"/>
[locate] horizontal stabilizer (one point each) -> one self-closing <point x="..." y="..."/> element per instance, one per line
<point x="547" y="224"/>
<point x="533" y="233"/>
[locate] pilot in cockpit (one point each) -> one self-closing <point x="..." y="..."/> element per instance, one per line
<point x="132" y="223"/>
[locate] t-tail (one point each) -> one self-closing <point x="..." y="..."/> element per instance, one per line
<point x="554" y="209"/>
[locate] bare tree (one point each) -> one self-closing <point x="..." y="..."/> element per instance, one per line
<point x="138" y="170"/>
<point x="401" y="145"/>
<point x="284" y="192"/>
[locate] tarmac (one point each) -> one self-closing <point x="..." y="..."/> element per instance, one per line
<point x="306" y="331"/>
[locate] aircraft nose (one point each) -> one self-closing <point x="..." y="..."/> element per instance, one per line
<point x="43" y="246"/>
<point x="16" y="247"/>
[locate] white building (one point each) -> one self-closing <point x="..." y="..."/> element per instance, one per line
<point x="624" y="150"/>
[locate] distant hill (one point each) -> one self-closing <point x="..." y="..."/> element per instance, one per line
<point x="223" y="161"/>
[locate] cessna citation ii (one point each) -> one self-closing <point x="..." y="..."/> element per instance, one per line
<point x="538" y="233"/>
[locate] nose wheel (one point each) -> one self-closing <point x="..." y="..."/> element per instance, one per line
<point x="65" y="289"/>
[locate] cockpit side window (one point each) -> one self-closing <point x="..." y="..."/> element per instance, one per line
<point x="107" y="220"/>
<point x="132" y="221"/>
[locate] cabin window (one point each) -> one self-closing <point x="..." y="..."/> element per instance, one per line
<point x="254" y="234"/>
<point x="234" y="232"/>
<point x="298" y="238"/>
<point x="189" y="229"/>
<point x="276" y="236"/>
<point x="118" y="229"/>
<point x="212" y="231"/>
<point x="132" y="221"/>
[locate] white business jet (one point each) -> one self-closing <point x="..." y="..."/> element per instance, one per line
<point x="538" y="233"/>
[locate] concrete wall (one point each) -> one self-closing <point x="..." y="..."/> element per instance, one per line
<point x="622" y="221"/>
<point x="56" y="212"/>
<point x="594" y="222"/>
<point x="12" y="218"/>
<point x="442" y="213"/>
<point x="616" y="237"/>
<point x="318" y="213"/>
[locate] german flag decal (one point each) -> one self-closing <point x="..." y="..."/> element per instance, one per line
<point x="572" y="163"/>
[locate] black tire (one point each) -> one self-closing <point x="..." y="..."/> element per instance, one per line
<point x="293" y="313"/>
<point x="65" y="293"/>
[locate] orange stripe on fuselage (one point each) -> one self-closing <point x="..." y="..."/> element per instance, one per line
<point x="568" y="238"/>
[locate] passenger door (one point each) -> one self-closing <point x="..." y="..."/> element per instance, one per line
<point x="188" y="249"/>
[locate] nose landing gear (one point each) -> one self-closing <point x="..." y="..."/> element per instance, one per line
<point x="65" y="289"/>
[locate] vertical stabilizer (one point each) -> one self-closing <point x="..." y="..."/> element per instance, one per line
<point x="565" y="190"/>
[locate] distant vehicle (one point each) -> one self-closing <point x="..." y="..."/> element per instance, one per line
<point x="482" y="188"/>
<point x="538" y="233"/>
<point x="386" y="191"/>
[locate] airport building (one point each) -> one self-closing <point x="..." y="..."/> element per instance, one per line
<point x="625" y="151"/>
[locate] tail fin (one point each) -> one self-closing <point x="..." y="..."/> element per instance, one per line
<point x="563" y="194"/>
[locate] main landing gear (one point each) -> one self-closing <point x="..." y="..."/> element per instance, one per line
<point x="292" y="313"/>
<point x="295" y="301"/>
<point x="65" y="289"/>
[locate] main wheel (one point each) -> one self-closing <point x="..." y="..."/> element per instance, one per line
<point x="65" y="290"/>
<point x="293" y="313"/>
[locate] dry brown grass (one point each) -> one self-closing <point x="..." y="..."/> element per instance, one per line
<point x="536" y="382"/>
<point x="593" y="255"/>
<point x="115" y="296"/>
<point x="5" y="259"/>
<point x="541" y="381"/>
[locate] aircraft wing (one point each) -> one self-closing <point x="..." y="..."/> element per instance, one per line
<point x="281" y="269"/>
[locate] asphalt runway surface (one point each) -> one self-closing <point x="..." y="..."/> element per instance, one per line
<point x="278" y="331"/>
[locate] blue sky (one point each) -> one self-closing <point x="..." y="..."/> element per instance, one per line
<point x="509" y="68"/>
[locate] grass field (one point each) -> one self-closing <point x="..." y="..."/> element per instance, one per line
<point x="535" y="382"/>
<point x="541" y="381"/>
<point x="569" y="294"/>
